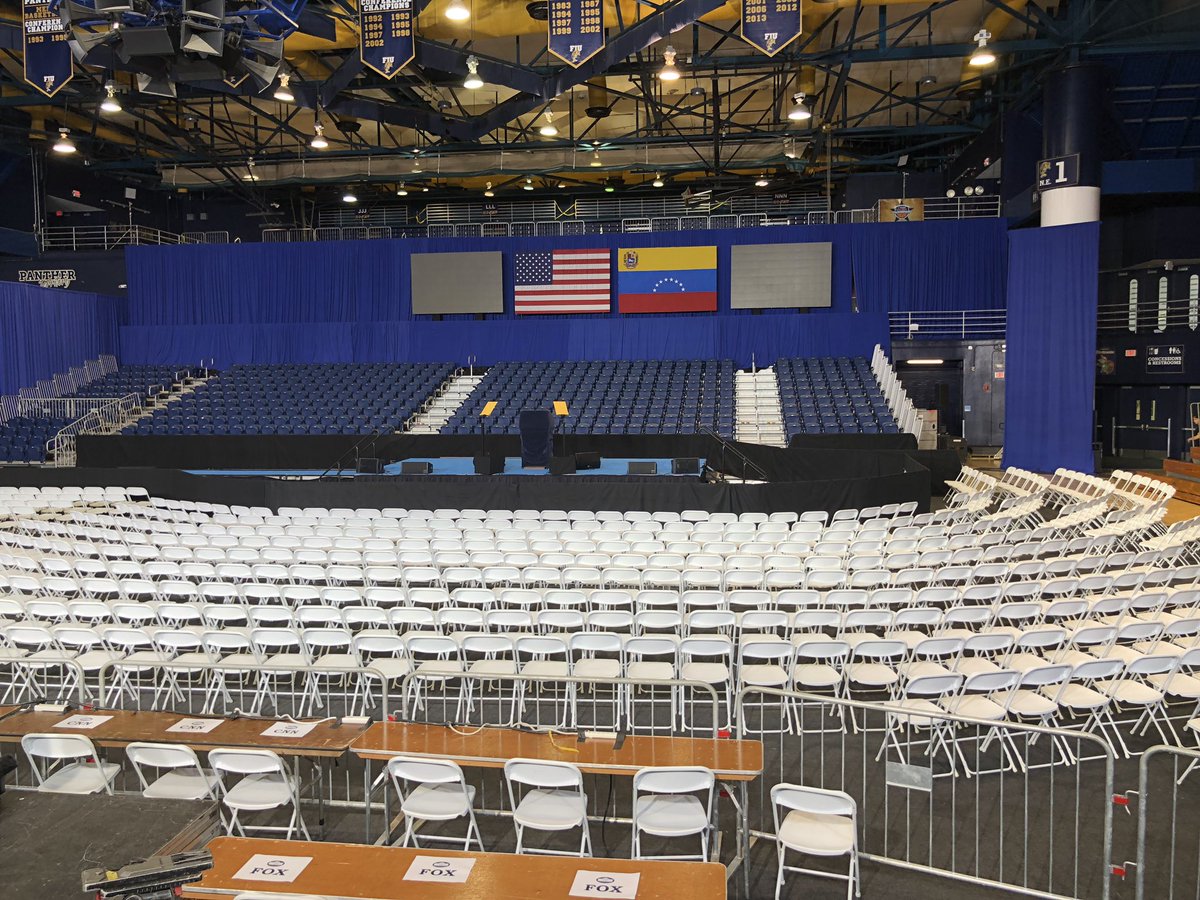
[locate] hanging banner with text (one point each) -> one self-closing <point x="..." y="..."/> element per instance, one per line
<point x="576" y="30"/>
<point x="770" y="25"/>
<point x="385" y="43"/>
<point x="48" y="63"/>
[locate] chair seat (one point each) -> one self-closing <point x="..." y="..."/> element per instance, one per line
<point x="975" y="706"/>
<point x="1181" y="685"/>
<point x="551" y="810"/>
<point x="923" y="668"/>
<point x="597" y="668"/>
<point x="816" y="675"/>
<point x="1032" y="703"/>
<point x="184" y="785"/>
<point x="1076" y="696"/>
<point x="438" y="802"/>
<point x="916" y="711"/>
<point x="976" y="665"/>
<point x="764" y="675"/>
<point x="670" y="815"/>
<point x="1133" y="693"/>
<point x="820" y="834"/>
<point x="390" y="667"/>
<point x="546" y="668"/>
<point x="259" y="792"/>
<point x="336" y="662"/>
<point x="80" y="778"/>
<point x="493" y="667"/>
<point x="95" y="660"/>
<point x="650" y="671"/>
<point x="872" y="674"/>
<point x="707" y="673"/>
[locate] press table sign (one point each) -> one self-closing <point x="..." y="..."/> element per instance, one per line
<point x="265" y="867"/>
<point x="83" y="723"/>
<point x="194" y="726"/>
<point x="289" y="729"/>
<point x="440" y="869"/>
<point x="605" y="884"/>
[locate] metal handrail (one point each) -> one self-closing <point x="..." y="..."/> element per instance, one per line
<point x="114" y="414"/>
<point x="948" y="324"/>
<point x="106" y="237"/>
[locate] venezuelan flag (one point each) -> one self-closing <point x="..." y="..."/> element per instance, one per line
<point x="667" y="279"/>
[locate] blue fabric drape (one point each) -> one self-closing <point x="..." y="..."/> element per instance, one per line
<point x="45" y="330"/>
<point x="930" y="266"/>
<point x="1053" y="280"/>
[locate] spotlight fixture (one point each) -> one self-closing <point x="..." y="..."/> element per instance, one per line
<point x="110" y="103"/>
<point x="697" y="91"/>
<point x="402" y="191"/>
<point x="457" y="11"/>
<point x="951" y="194"/>
<point x="562" y="185"/>
<point x="548" y="129"/>
<point x="318" y="141"/>
<point x="473" y="82"/>
<point x="982" y="55"/>
<point x="799" y="111"/>
<point x="658" y="180"/>
<point x="979" y="190"/>
<point x="762" y="181"/>
<point x="528" y="185"/>
<point x="668" y="72"/>
<point x="488" y="192"/>
<point x="64" y="144"/>
<point x="416" y="165"/>
<point x="969" y="191"/>
<point x="595" y="162"/>
<point x="349" y="197"/>
<point x="927" y="80"/>
<point x="283" y="93"/>
<point x="608" y="188"/>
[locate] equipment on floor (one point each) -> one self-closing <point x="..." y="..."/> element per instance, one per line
<point x="155" y="878"/>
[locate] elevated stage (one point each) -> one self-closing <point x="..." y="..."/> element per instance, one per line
<point x="1184" y="477"/>
<point x="615" y="467"/>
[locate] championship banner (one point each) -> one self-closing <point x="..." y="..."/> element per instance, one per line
<point x="770" y="25"/>
<point x="385" y="28"/>
<point x="909" y="210"/>
<point x="48" y="62"/>
<point x="576" y="30"/>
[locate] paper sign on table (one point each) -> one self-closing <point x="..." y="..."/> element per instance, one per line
<point x="443" y="869"/>
<point x="265" y="867"/>
<point x="605" y="884"/>
<point x="82" y="722"/>
<point x="195" y="726"/>
<point x="289" y="729"/>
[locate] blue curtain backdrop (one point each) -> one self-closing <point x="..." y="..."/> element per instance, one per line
<point x="45" y="330"/>
<point x="346" y="301"/>
<point x="1053" y="276"/>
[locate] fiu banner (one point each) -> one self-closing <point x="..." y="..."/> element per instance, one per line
<point x="47" y="51"/>
<point x="770" y="25"/>
<point x="576" y="30"/>
<point x="386" y="43"/>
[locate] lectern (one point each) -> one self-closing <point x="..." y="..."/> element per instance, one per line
<point x="537" y="435"/>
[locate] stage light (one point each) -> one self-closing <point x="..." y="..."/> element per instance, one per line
<point x="110" y="103"/>
<point x="608" y="189"/>
<point x="668" y="72"/>
<point x="457" y="11"/>
<point x="595" y="162"/>
<point x="473" y="82"/>
<point x="402" y="191"/>
<point x="762" y="181"/>
<point x="548" y="129"/>
<point x="979" y="190"/>
<point x="562" y="184"/>
<point x="969" y="191"/>
<point x="318" y="141"/>
<point x="799" y="112"/>
<point x="349" y="197"/>
<point x="64" y="144"/>
<point x="488" y="192"/>
<point x="951" y="194"/>
<point x="982" y="55"/>
<point x="658" y="180"/>
<point x="925" y="362"/>
<point x="528" y="185"/>
<point x="283" y="93"/>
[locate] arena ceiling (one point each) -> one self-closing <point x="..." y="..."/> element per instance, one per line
<point x="884" y="80"/>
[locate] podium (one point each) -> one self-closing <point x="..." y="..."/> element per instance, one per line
<point x="537" y="437"/>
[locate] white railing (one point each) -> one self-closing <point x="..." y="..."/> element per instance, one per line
<point x="948" y="325"/>
<point x="60" y="449"/>
<point x="57" y="386"/>
<point x="69" y="408"/>
<point x="106" y="237"/>
<point x="1150" y="316"/>
<point x="907" y="417"/>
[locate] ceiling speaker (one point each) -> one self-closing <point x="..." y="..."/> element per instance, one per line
<point x="162" y="87"/>
<point x="201" y="38"/>
<point x="156" y="41"/>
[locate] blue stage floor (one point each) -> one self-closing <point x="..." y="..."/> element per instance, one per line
<point x="452" y="465"/>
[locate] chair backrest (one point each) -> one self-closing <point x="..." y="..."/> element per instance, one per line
<point x="58" y="746"/>
<point x="246" y="762"/>
<point x="425" y="771"/>
<point x="673" y="780"/>
<point x="543" y="773"/>
<point x="812" y="800"/>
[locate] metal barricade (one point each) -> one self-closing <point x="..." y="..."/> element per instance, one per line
<point x="1168" y="833"/>
<point x="1027" y="818"/>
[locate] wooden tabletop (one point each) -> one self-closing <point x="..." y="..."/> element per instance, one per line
<point x="366" y="872"/>
<point x="127" y="726"/>
<point x="732" y="760"/>
<point x="6" y="711"/>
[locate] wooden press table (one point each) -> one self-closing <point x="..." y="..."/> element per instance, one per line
<point x="362" y="872"/>
<point x="734" y="762"/>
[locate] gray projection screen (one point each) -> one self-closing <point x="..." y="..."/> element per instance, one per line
<point x="771" y="276"/>
<point x="457" y="283"/>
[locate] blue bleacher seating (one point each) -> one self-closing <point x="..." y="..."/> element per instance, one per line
<point x="831" y="395"/>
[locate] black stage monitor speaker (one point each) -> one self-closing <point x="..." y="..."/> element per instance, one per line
<point x="562" y="465"/>
<point x="416" y="468"/>
<point x="685" y="465"/>
<point x="489" y="465"/>
<point x="642" y="467"/>
<point x="370" y="465"/>
<point x="587" y="461"/>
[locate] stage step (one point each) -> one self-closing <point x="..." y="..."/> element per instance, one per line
<point x="758" y="416"/>
<point x="163" y="400"/>
<point x="1184" y="477"/>
<point x="443" y="404"/>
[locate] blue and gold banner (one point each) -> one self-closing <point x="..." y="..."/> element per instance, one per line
<point x="386" y="43"/>
<point x="48" y="62"/>
<point x="770" y="25"/>
<point x="576" y="30"/>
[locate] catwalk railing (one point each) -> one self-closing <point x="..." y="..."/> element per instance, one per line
<point x="1150" y="316"/>
<point x="106" y="237"/>
<point x="951" y="325"/>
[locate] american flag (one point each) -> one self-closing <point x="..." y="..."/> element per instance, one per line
<point x="562" y="281"/>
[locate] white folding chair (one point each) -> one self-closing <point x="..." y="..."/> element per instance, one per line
<point x="817" y="822"/>
<point x="438" y="793"/>
<point x="265" y="784"/>
<point x="673" y="802"/>
<point x="184" y="778"/>
<point x="68" y="764"/>
<point x="553" y="800"/>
